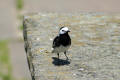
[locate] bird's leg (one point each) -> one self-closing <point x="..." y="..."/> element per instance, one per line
<point x="58" y="58"/>
<point x="58" y="55"/>
<point x="66" y="55"/>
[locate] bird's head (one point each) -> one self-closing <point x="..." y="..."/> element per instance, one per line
<point x="64" y="30"/>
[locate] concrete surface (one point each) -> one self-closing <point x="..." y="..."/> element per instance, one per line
<point x="18" y="60"/>
<point x="7" y="19"/>
<point x="110" y="6"/>
<point x="8" y="31"/>
<point x="94" y="54"/>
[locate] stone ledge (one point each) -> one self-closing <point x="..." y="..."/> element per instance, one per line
<point x="95" y="50"/>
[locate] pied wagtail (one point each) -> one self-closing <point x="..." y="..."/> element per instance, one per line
<point x="62" y="42"/>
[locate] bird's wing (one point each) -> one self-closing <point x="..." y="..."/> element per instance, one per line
<point x="56" y="42"/>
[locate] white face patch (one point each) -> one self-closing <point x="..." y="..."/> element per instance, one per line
<point x="63" y="30"/>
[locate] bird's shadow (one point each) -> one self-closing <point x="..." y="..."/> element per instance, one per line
<point x="60" y="62"/>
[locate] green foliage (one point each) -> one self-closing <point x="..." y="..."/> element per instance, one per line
<point x="5" y="67"/>
<point x="3" y="52"/>
<point x="20" y="17"/>
<point x="21" y="27"/>
<point x="19" y="4"/>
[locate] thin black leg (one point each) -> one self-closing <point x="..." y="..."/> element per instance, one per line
<point x="58" y="55"/>
<point x="58" y="59"/>
<point x="66" y="55"/>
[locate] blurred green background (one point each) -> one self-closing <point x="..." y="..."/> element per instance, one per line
<point x="13" y="63"/>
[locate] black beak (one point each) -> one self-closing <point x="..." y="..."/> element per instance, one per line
<point x="68" y="31"/>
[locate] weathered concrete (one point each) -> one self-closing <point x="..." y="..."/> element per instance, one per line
<point x="18" y="60"/>
<point x="95" y="50"/>
<point x="8" y="31"/>
<point x="111" y="6"/>
<point x="7" y="19"/>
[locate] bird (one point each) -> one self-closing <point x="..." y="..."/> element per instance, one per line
<point x="62" y="42"/>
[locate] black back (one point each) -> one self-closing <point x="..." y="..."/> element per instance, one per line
<point x="62" y="39"/>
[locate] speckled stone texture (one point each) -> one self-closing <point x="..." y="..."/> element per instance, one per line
<point x="95" y="50"/>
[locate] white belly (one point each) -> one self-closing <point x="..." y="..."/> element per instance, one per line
<point x="60" y="49"/>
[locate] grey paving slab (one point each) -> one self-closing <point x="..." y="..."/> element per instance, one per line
<point x="7" y="19"/>
<point x="95" y="50"/>
<point x="72" y="6"/>
<point x="18" y="60"/>
<point x="8" y="30"/>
